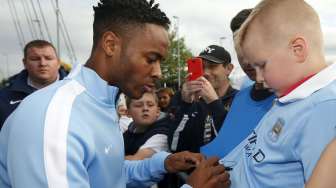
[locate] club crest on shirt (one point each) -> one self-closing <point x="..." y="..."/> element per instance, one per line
<point x="276" y="130"/>
<point x="251" y="150"/>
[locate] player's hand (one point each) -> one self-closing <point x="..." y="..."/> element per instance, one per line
<point x="182" y="161"/>
<point x="209" y="174"/>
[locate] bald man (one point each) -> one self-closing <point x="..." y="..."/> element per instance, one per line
<point x="282" y="40"/>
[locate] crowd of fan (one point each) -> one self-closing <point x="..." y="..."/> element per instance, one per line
<point x="279" y="124"/>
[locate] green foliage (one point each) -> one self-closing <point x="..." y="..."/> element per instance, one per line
<point x="3" y="83"/>
<point x="170" y="66"/>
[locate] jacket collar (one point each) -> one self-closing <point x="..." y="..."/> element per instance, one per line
<point x="95" y="85"/>
<point x="315" y="83"/>
<point x="18" y="82"/>
<point x="229" y="93"/>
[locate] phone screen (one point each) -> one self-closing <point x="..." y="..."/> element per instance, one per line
<point x="195" y="68"/>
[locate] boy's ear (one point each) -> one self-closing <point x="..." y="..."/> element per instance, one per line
<point x="299" y="49"/>
<point x="110" y="43"/>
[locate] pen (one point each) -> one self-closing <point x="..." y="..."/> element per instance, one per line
<point x="228" y="168"/>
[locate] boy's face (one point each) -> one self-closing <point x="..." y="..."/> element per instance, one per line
<point x="144" y="111"/>
<point x="274" y="64"/>
<point x="140" y="59"/>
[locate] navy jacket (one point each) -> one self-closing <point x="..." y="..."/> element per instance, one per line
<point x="133" y="141"/>
<point x="188" y="130"/>
<point x="16" y="90"/>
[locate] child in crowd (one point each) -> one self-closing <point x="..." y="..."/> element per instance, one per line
<point x="165" y="95"/>
<point x="124" y="119"/>
<point x="283" y="41"/>
<point x="147" y="134"/>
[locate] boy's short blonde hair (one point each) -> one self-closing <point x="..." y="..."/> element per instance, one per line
<point x="280" y="21"/>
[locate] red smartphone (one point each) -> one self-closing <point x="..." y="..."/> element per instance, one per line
<point x="195" y="68"/>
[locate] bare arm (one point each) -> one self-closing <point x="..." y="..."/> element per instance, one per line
<point x="324" y="173"/>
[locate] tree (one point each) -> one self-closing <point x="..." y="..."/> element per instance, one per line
<point x="3" y="83"/>
<point x="170" y="66"/>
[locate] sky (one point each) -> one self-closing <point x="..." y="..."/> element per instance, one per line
<point x="200" y="22"/>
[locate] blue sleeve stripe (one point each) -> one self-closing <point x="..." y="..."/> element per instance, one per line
<point x="55" y="133"/>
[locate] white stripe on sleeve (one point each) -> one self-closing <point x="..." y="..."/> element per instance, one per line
<point x="55" y="133"/>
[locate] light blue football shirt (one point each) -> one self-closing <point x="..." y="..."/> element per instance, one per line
<point x="285" y="146"/>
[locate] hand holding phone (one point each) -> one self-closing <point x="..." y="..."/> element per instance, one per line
<point x="195" y="68"/>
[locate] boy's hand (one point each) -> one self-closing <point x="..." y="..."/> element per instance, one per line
<point x="182" y="161"/>
<point x="209" y="174"/>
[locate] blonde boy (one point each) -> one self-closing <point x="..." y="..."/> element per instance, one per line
<point x="282" y="40"/>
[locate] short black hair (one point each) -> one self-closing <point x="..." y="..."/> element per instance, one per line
<point x="38" y="44"/>
<point x="116" y="15"/>
<point x="239" y="19"/>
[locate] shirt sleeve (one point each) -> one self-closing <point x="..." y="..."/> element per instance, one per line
<point x="36" y="168"/>
<point x="4" y="179"/>
<point x="157" y="143"/>
<point x="144" y="173"/>
<point x="316" y="134"/>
